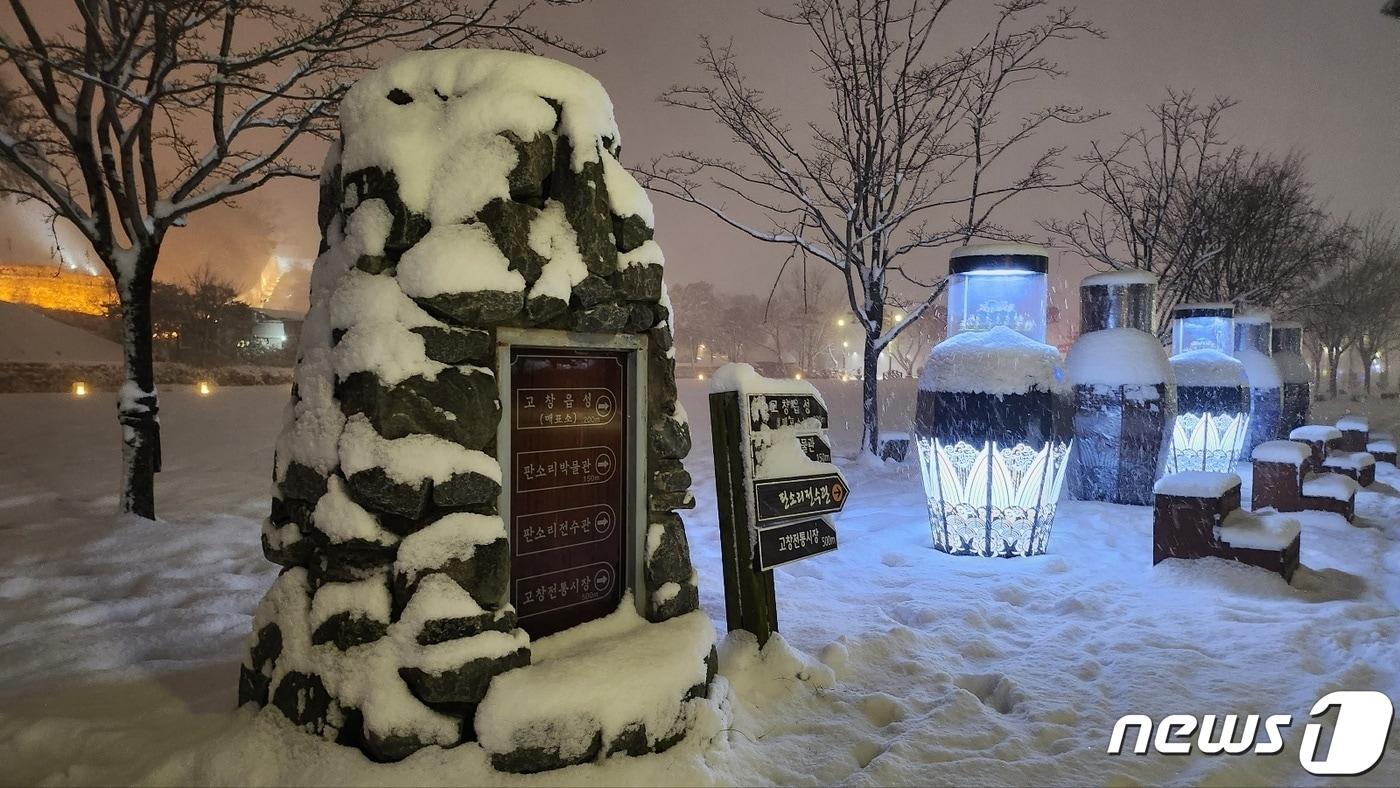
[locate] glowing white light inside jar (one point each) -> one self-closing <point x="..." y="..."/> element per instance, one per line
<point x="80" y="389"/>
<point x="204" y="388"/>
<point x="990" y="500"/>
<point x="1207" y="441"/>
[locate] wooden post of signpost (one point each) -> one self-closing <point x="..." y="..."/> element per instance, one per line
<point x="768" y="519"/>
<point x="750" y="602"/>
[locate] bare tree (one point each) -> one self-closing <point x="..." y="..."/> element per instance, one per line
<point x="1329" y="309"/>
<point x="1375" y="321"/>
<point x="1149" y="194"/>
<point x="913" y="154"/>
<point x="802" y="311"/>
<point x="913" y="343"/>
<point x="697" y="310"/>
<point x="1265" y="234"/>
<point x="138" y="113"/>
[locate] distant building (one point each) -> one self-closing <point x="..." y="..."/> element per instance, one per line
<point x="49" y="287"/>
<point x="277" y="329"/>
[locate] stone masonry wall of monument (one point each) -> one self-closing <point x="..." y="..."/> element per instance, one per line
<point x="392" y="613"/>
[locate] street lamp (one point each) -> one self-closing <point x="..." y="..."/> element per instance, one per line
<point x="1124" y="391"/>
<point x="1254" y="348"/>
<point x="992" y="420"/>
<point x="1297" y="376"/>
<point x="1212" y="392"/>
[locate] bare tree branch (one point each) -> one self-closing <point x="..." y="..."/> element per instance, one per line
<point x="130" y="115"/>
<point x="911" y="154"/>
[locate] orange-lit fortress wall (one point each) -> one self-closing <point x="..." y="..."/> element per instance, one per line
<point x="51" y="288"/>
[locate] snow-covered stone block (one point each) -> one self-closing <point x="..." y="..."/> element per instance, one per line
<point x="1196" y="484"/>
<point x="1382" y="449"/>
<point x="1293" y="452"/>
<point x="1321" y="438"/>
<point x="1355" y="429"/>
<point x="894" y="446"/>
<point x="1199" y="516"/>
<point x="1288" y="485"/>
<point x="1188" y="507"/>
<point x="1358" y="465"/>
<point x="616" y="684"/>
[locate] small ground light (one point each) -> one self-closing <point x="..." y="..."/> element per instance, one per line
<point x="798" y="376"/>
<point x="702" y="375"/>
<point x="204" y="388"/>
<point x="80" y="388"/>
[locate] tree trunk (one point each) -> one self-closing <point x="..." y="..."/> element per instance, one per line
<point x="870" y="377"/>
<point x="136" y="403"/>
<point x="870" y="399"/>
<point x="1366" y="369"/>
<point x="1332" y="358"/>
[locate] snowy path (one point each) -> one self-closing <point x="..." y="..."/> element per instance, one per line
<point x="119" y="639"/>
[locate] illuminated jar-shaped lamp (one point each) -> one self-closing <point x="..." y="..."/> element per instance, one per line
<point x="1254" y="349"/>
<point x="1297" y="377"/>
<point x="1124" y="391"/>
<point x="992" y="421"/>
<point x="1212" y="392"/>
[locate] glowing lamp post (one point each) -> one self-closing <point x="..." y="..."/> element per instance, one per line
<point x="1124" y="391"/>
<point x="1253" y="347"/>
<point x="1296" y="375"/>
<point x="1212" y="391"/>
<point x="992" y="422"/>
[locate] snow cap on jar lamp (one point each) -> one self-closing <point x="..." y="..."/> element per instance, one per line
<point x="1124" y="391"/>
<point x="1212" y="391"/>
<point x="993" y="417"/>
<point x="1254" y="348"/>
<point x="1287" y="341"/>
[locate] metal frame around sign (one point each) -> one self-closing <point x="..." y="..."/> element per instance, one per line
<point x="635" y="485"/>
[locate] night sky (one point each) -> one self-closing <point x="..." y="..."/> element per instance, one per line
<point x="1315" y="77"/>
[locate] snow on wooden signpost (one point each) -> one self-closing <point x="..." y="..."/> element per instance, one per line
<point x="775" y="486"/>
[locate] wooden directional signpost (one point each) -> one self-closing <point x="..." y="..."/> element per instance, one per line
<point x="772" y="511"/>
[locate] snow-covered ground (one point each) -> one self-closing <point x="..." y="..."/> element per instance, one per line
<point x="29" y="335"/>
<point x="119" y="639"/>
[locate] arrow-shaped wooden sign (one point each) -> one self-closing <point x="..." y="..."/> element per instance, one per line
<point x="776" y="500"/>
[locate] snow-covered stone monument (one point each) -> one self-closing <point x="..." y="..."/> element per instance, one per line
<point x="456" y="570"/>
<point x="993" y="420"/>
<point x="1212" y="392"/>
<point x="1124" y="391"/>
<point x="1254" y="348"/>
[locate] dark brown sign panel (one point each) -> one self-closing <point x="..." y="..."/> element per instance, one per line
<point x="815" y="447"/>
<point x="784" y="410"/>
<point x="799" y="496"/>
<point x="568" y="499"/>
<point x="783" y="544"/>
